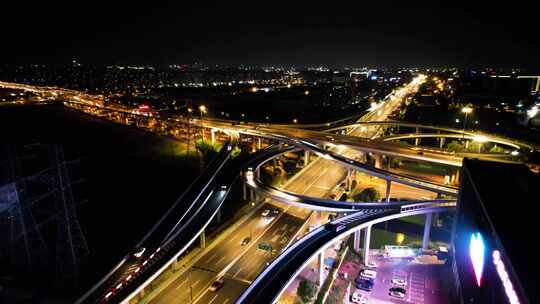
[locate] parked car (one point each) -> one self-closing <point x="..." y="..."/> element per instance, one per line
<point x="371" y="265"/>
<point x="397" y="292"/>
<point x="357" y="298"/>
<point x="266" y="212"/>
<point x="366" y="273"/>
<point x="364" y="283"/>
<point x="399" y="282"/>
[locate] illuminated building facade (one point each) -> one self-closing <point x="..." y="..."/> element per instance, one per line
<point x="492" y="245"/>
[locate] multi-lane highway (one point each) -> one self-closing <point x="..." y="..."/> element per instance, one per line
<point x="239" y="265"/>
<point x="276" y="277"/>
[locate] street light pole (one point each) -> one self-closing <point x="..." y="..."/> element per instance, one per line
<point x="190" y="110"/>
<point x="466" y="110"/>
<point x="202" y="110"/>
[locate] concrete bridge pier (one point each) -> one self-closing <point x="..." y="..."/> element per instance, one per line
<point x="417" y="140"/>
<point x="321" y="268"/>
<point x="378" y="160"/>
<point x="306" y="157"/>
<point x="218" y="216"/>
<point x="202" y="239"/>
<point x="427" y="230"/>
<point x="244" y="191"/>
<point x="356" y="240"/>
<point x="367" y="237"/>
<point x="441" y="142"/>
<point x="388" y="185"/>
<point x="213" y="136"/>
<point x="349" y="179"/>
<point x="259" y="143"/>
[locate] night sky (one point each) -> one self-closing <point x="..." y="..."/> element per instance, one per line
<point x="335" y="33"/>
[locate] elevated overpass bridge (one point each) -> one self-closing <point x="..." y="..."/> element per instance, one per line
<point x="183" y="223"/>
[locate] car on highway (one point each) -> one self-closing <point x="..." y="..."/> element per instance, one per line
<point x="358" y="298"/>
<point x="223" y="188"/>
<point x="275" y="211"/>
<point x="245" y="241"/>
<point x="249" y="173"/>
<point x="399" y="282"/>
<point x="265" y="247"/>
<point x="364" y="283"/>
<point x="366" y="273"/>
<point x="216" y="285"/>
<point x="139" y="252"/>
<point x="397" y="292"/>
<point x="266" y="212"/>
<point x="338" y="227"/>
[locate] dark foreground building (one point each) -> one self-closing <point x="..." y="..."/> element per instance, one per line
<point x="495" y="239"/>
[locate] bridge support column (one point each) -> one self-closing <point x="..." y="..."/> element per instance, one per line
<point x="306" y="157"/>
<point x="321" y="268"/>
<point x="218" y="215"/>
<point x="259" y="143"/>
<point x="378" y="161"/>
<point x="251" y="194"/>
<point x="244" y="191"/>
<point x="417" y="140"/>
<point x="349" y="179"/>
<point x="202" y="239"/>
<point x="388" y="185"/>
<point x="356" y="239"/>
<point x="427" y="230"/>
<point x="441" y="142"/>
<point x="213" y="136"/>
<point x="366" y="244"/>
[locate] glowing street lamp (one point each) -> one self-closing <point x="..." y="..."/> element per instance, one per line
<point x="480" y="139"/>
<point x="466" y="110"/>
<point x="202" y="110"/>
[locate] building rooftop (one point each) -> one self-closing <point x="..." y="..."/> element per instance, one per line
<point x="510" y="195"/>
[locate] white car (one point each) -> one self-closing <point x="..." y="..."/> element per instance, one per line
<point x="397" y="292"/>
<point x="357" y="298"/>
<point x="399" y="282"/>
<point x="371" y="265"/>
<point x="366" y="273"/>
<point x="265" y="212"/>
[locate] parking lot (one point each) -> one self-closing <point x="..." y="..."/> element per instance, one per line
<point x="423" y="277"/>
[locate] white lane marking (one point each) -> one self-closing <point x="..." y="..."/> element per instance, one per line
<point x="213" y="299"/>
<point x="212" y="257"/>
<point x="183" y="282"/>
<point x="226" y="300"/>
<point x="219" y="261"/>
<point x="196" y="282"/>
<point x="315" y="180"/>
<point x="239" y="269"/>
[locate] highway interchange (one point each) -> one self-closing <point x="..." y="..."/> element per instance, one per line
<point x="239" y="265"/>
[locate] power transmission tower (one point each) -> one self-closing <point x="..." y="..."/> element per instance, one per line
<point x="71" y="246"/>
<point x="28" y="251"/>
